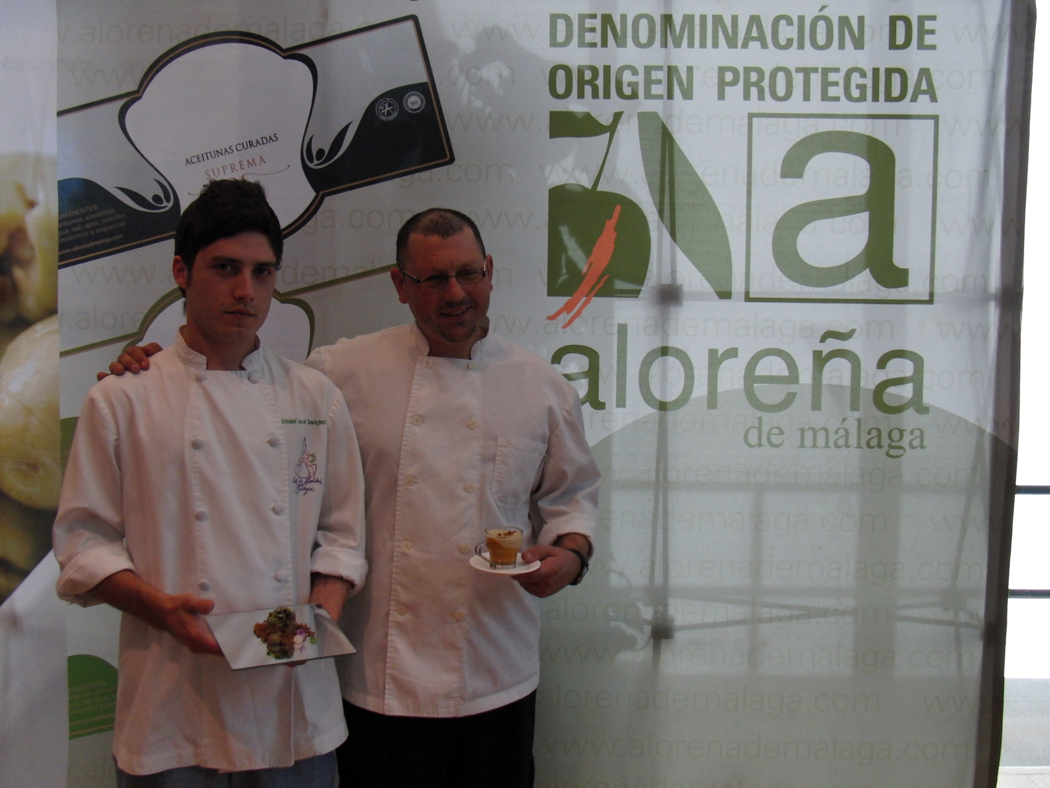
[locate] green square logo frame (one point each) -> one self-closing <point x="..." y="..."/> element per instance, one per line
<point x="841" y="208"/>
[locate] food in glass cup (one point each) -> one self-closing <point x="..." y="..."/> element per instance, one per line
<point x="501" y="547"/>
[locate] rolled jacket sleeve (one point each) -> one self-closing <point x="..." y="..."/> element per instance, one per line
<point x="88" y="534"/>
<point x="566" y="499"/>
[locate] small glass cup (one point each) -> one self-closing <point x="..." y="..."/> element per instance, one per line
<point x="501" y="547"/>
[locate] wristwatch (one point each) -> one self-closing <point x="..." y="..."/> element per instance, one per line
<point x="584" y="566"/>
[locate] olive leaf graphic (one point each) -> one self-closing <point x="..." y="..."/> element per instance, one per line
<point x="685" y="206"/>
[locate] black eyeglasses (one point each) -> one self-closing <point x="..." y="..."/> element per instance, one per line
<point x="468" y="276"/>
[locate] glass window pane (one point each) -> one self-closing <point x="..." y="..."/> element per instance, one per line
<point x="1028" y="639"/>
<point x="1029" y="567"/>
<point x="1033" y="462"/>
<point x="1026" y="711"/>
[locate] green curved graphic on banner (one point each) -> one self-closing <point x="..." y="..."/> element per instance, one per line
<point x="685" y="206"/>
<point x="92" y="695"/>
<point x="579" y="124"/>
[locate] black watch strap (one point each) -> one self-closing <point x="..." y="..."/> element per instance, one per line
<point x="584" y="566"/>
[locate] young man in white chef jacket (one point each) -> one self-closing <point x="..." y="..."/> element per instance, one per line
<point x="185" y="495"/>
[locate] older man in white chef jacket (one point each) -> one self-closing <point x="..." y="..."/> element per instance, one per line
<point x="460" y="430"/>
<point x="184" y="496"/>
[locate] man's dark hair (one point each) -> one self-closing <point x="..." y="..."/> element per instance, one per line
<point x="442" y="222"/>
<point x="224" y="209"/>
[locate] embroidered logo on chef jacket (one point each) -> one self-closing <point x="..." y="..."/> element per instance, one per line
<point x="305" y="477"/>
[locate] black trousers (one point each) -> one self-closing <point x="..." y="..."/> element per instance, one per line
<point x="488" y="750"/>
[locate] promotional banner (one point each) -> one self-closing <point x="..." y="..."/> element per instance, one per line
<point x="776" y="249"/>
<point x="32" y="625"/>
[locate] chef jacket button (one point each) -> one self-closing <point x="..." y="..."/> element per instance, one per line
<point x="282" y="575"/>
<point x="201" y="515"/>
<point x="402" y="610"/>
<point x="459" y="615"/>
<point x="473" y="424"/>
<point x="410" y="481"/>
<point x="469" y="487"/>
<point x="406" y="545"/>
<point x="254" y="377"/>
<point x="428" y="362"/>
<point x="273" y="440"/>
<point x="197" y="443"/>
<point x="417" y="420"/>
<point x="472" y="365"/>
<point x="278" y="508"/>
<point x="204" y="585"/>
<point x="464" y="549"/>
<point x="201" y="377"/>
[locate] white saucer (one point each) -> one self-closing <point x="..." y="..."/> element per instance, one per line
<point x="482" y="565"/>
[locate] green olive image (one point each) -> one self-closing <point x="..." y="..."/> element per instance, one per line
<point x="30" y="468"/>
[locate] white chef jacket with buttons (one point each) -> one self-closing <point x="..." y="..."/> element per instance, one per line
<point x="451" y="447"/>
<point x="234" y="486"/>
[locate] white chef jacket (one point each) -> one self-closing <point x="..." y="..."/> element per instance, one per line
<point x="234" y="486"/>
<point x="451" y="447"/>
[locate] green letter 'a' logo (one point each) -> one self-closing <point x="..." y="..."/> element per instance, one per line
<point x="877" y="202"/>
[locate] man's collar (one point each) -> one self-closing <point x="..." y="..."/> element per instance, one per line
<point x="423" y="344"/>
<point x="192" y="358"/>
